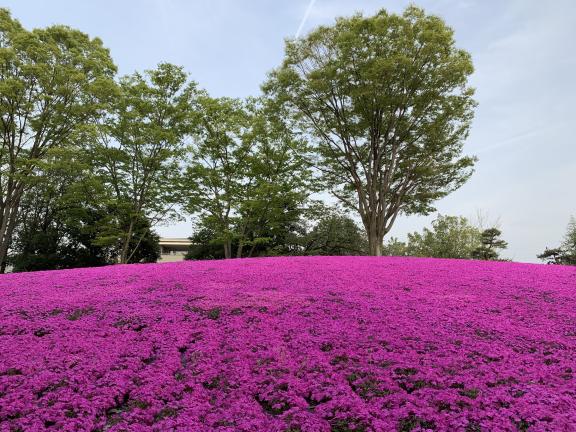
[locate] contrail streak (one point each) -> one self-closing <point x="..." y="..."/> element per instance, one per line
<point x="304" y="18"/>
<point x="510" y="140"/>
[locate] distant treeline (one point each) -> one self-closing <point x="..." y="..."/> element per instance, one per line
<point x="372" y="110"/>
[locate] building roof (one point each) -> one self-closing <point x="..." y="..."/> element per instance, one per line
<point x="175" y="241"/>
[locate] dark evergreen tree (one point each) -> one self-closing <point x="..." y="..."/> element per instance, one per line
<point x="553" y="256"/>
<point x="566" y="253"/>
<point x="491" y="243"/>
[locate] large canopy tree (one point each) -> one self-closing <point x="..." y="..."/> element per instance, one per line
<point x="386" y="100"/>
<point x="52" y="84"/>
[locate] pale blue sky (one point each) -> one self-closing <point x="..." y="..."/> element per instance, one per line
<point x="523" y="51"/>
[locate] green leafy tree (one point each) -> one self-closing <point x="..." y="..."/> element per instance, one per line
<point x="219" y="161"/>
<point x="275" y="197"/>
<point x="566" y="253"/>
<point x="335" y="234"/>
<point x="139" y="150"/>
<point x="204" y="245"/>
<point x="64" y="215"/>
<point x="318" y="231"/>
<point x="490" y="243"/>
<point x="53" y="82"/>
<point x="386" y="99"/>
<point x="144" y="243"/>
<point x="247" y="179"/>
<point x="450" y="237"/>
<point x="278" y="241"/>
<point x="58" y="218"/>
<point x="395" y="247"/>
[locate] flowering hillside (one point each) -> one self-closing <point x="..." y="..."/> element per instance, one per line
<point x="290" y="344"/>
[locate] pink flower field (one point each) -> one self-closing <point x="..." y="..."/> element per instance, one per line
<point x="290" y="344"/>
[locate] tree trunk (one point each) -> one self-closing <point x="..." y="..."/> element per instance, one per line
<point x="4" y="239"/>
<point x="9" y="218"/>
<point x="239" y="250"/>
<point x="375" y="238"/>
<point x="4" y="245"/>
<point x="138" y="244"/>
<point x="374" y="246"/>
<point x="126" y="246"/>
<point x="227" y="249"/>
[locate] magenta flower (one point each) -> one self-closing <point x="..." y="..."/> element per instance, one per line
<point x="290" y="344"/>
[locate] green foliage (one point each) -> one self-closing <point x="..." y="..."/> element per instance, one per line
<point x="216" y="175"/>
<point x="66" y="220"/>
<point x="553" y="256"/>
<point x="281" y="240"/>
<point x="569" y="243"/>
<point x="139" y="147"/>
<point x="89" y="165"/>
<point x="247" y="177"/>
<point x="331" y="233"/>
<point x="386" y="98"/>
<point x="566" y="253"/>
<point x="335" y="234"/>
<point x="144" y="244"/>
<point x="394" y="247"/>
<point x="450" y="237"/>
<point x="58" y="217"/>
<point x="491" y="242"/>
<point x="205" y="245"/>
<point x="54" y="82"/>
